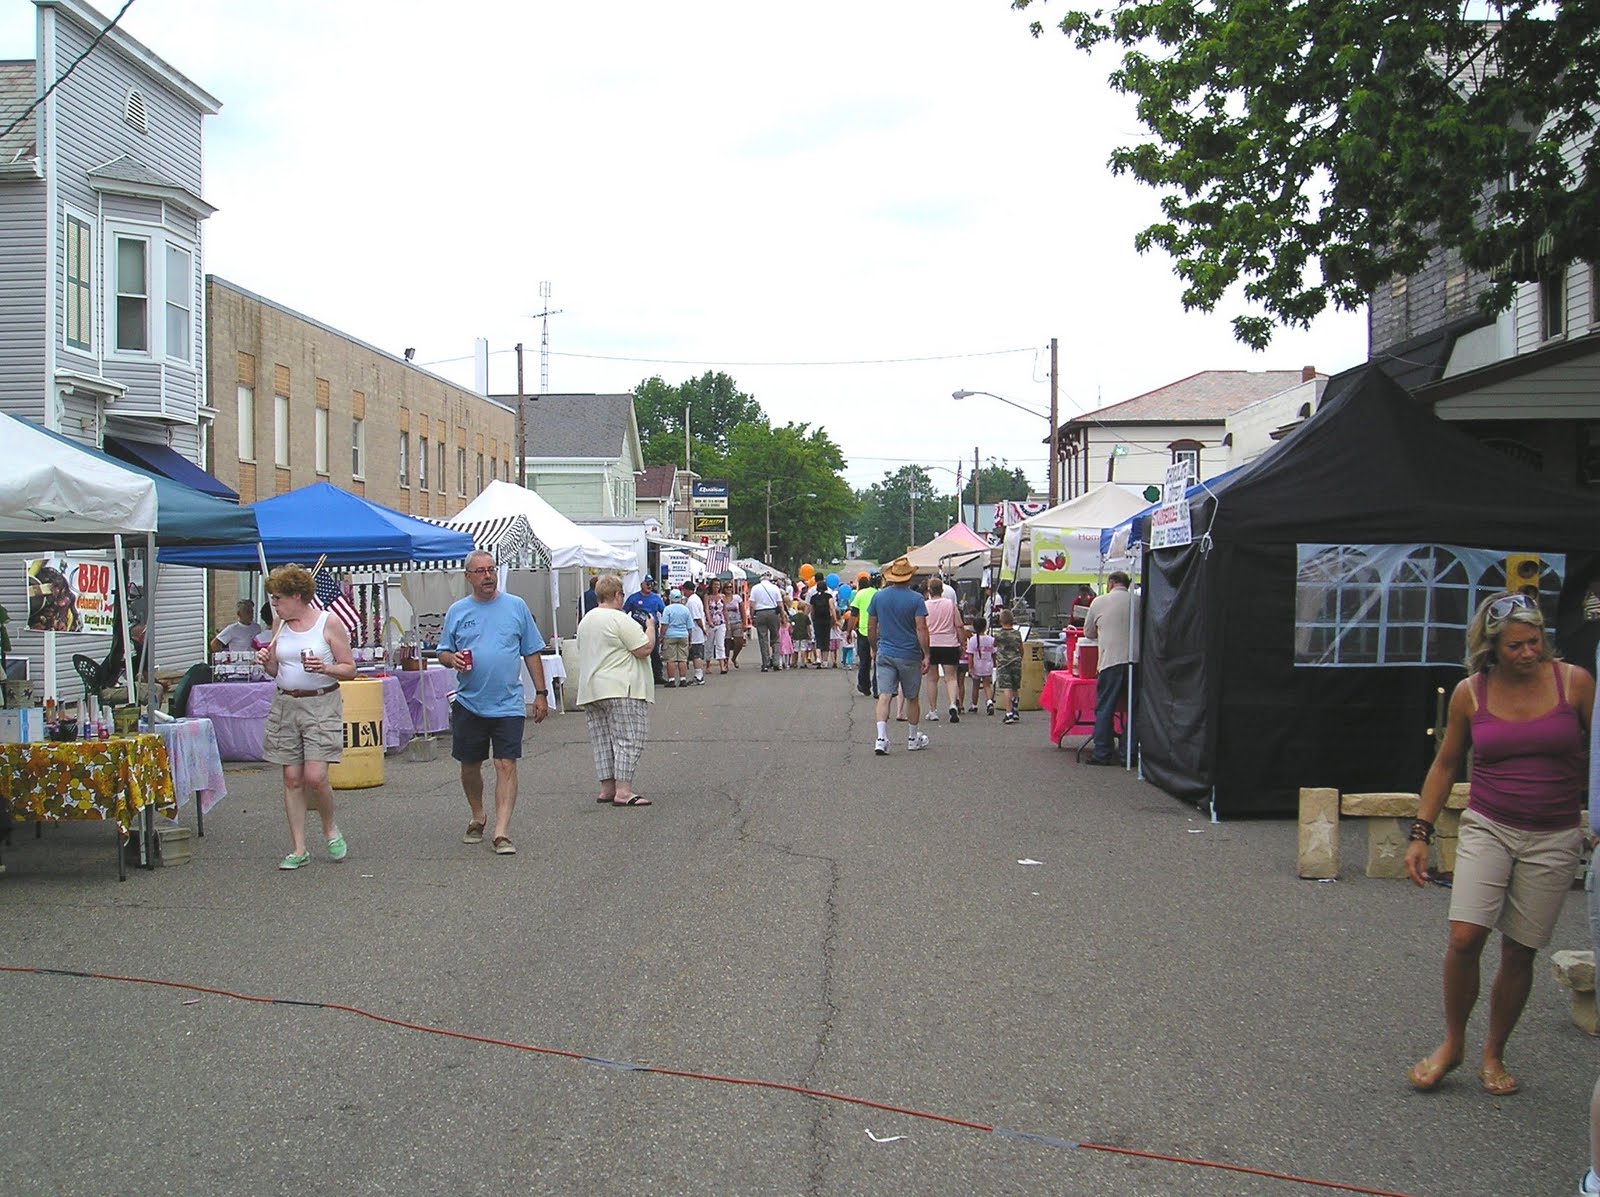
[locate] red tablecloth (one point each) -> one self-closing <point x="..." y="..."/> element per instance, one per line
<point x="1070" y="701"/>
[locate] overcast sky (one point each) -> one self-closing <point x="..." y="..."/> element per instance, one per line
<point x="761" y="189"/>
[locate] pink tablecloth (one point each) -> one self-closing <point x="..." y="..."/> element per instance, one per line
<point x="1070" y="701"/>
<point x="238" y="712"/>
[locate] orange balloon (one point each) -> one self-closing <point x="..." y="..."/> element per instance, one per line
<point x="807" y="571"/>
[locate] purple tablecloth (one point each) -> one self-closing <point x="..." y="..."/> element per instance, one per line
<point x="238" y="713"/>
<point x="427" y="694"/>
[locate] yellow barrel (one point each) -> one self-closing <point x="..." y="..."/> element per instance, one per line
<point x="362" y="765"/>
<point x="1032" y="676"/>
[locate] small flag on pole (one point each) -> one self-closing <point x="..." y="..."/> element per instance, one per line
<point x="717" y="559"/>
<point x="332" y="598"/>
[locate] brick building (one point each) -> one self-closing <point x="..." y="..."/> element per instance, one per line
<point x="297" y="402"/>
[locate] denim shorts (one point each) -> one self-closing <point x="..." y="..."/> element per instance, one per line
<point x="902" y="672"/>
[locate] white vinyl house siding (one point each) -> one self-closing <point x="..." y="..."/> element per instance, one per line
<point x="88" y="133"/>
<point x="23" y="237"/>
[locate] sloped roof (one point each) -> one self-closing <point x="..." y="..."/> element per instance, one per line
<point x="575" y="425"/>
<point x="1209" y="397"/>
<point x="654" y="482"/>
<point x="16" y="93"/>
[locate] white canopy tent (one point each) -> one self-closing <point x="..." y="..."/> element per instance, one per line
<point x="564" y="544"/>
<point x="49" y="490"/>
<point x="1065" y="540"/>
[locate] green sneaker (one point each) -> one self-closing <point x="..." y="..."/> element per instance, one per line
<point x="295" y="860"/>
<point x="337" y="848"/>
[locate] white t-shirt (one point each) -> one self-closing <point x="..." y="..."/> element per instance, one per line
<point x="237" y="637"/>
<point x="697" y="614"/>
<point x="764" y="596"/>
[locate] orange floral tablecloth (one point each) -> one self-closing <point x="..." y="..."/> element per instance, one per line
<point x="87" y="779"/>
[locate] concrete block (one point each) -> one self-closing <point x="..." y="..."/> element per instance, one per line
<point x="1379" y="806"/>
<point x="1386" y="848"/>
<point x="1319" y="833"/>
<point x="1574" y="970"/>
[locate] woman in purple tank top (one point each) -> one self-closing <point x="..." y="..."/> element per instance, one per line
<point x="1526" y="717"/>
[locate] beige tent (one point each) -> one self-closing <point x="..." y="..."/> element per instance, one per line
<point x="950" y="551"/>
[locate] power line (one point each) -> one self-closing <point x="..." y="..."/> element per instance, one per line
<point x="28" y="111"/>
<point x="872" y="361"/>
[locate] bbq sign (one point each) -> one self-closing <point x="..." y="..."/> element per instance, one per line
<point x="69" y="594"/>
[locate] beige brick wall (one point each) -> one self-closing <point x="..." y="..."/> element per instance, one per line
<point x="250" y="342"/>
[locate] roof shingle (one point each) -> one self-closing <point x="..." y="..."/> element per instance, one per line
<point x="1210" y="396"/>
<point x="575" y="425"/>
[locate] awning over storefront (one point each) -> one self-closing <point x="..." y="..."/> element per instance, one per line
<point x="169" y="464"/>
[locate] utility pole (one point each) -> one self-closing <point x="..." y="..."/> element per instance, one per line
<point x="976" y="517"/>
<point x="768" y="559"/>
<point x="522" y="425"/>
<point x="1055" y="429"/>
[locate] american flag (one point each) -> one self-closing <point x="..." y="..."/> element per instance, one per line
<point x="331" y="597"/>
<point x="717" y="559"/>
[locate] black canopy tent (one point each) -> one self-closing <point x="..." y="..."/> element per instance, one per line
<point x="1225" y="715"/>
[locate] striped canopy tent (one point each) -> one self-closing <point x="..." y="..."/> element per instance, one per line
<point x="509" y="539"/>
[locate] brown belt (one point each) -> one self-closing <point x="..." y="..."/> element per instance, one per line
<point x="307" y="693"/>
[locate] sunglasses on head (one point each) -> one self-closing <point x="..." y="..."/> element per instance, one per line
<point x="1507" y="605"/>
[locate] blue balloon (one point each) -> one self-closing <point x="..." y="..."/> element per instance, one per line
<point x="846" y="593"/>
<point x="833" y="581"/>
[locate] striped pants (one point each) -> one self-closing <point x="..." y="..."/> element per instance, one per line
<point x="618" y="729"/>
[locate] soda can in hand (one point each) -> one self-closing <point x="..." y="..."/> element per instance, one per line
<point x="464" y="658"/>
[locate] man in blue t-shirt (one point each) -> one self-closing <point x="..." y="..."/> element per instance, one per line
<point x="646" y="602"/>
<point x="897" y="629"/>
<point x="488" y="637"/>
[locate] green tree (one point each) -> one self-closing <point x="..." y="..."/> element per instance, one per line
<point x="996" y="482"/>
<point x="901" y="511"/>
<point x="799" y="470"/>
<point x="716" y="406"/>
<point x="1313" y="149"/>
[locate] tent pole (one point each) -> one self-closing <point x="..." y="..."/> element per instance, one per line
<point x="121" y="573"/>
<point x="1133" y="631"/>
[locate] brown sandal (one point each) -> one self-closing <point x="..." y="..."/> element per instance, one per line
<point x="503" y="846"/>
<point x="474" y="834"/>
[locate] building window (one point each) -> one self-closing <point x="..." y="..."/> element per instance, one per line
<point x="133" y="295"/>
<point x="280" y="431"/>
<point x="79" y="284"/>
<point x="1553" y="304"/>
<point x="405" y="459"/>
<point x="479" y="491"/>
<point x="461" y="473"/>
<point x="422" y="464"/>
<point x="1187" y="453"/>
<point x="358" y="448"/>
<point x="180" y="303"/>
<point x="322" y="440"/>
<point x="494" y="468"/>
<point x="247" y="423"/>
<point x="438" y="480"/>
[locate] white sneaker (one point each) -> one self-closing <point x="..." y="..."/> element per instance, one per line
<point x="932" y="716"/>
<point x="917" y="742"/>
<point x="881" y="746"/>
<point x="1590" y="1185"/>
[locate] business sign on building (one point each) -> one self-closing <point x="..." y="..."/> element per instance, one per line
<point x="711" y="525"/>
<point x="1169" y="525"/>
<point x="709" y="495"/>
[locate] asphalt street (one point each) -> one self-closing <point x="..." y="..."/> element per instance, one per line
<point x="983" y="935"/>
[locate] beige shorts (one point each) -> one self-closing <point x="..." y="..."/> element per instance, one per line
<point x="1511" y="879"/>
<point x="304" y="729"/>
<point x="675" y="650"/>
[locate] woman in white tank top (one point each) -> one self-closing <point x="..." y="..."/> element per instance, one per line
<point x="308" y="656"/>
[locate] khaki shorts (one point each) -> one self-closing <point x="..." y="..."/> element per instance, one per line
<point x="675" y="650"/>
<point x="1513" y="880"/>
<point x="304" y="729"/>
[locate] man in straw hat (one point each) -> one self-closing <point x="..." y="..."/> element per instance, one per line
<point x="897" y="629"/>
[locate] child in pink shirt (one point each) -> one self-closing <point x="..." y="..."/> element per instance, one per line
<point x="979" y="656"/>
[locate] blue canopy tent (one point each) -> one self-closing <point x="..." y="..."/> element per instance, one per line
<point x="306" y="524"/>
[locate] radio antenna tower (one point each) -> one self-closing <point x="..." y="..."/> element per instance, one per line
<point x="544" y="337"/>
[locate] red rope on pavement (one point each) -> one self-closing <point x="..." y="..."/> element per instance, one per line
<point x="687" y="1074"/>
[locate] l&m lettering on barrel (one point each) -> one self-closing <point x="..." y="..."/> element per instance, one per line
<point x="363" y="733"/>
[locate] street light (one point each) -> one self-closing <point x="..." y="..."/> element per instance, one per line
<point x="1055" y="432"/>
<point x="779" y="503"/>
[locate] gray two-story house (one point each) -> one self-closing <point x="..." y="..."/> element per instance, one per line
<point x="101" y="275"/>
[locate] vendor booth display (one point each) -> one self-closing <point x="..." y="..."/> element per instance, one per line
<point x="1302" y="636"/>
<point x="951" y="550"/>
<point x="1062" y="545"/>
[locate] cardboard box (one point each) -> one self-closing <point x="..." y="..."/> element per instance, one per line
<point x="174" y="845"/>
<point x="21" y="725"/>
